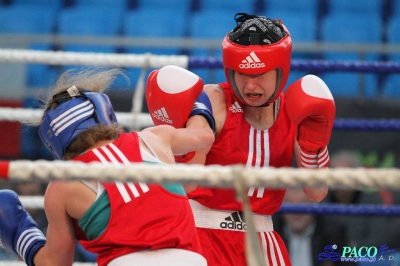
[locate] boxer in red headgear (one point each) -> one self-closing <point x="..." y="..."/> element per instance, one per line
<point x="257" y="126"/>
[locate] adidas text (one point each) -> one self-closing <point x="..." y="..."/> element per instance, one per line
<point x="161" y="118"/>
<point x="233" y="225"/>
<point x="252" y="65"/>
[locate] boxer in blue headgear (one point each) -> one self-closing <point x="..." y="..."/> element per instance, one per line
<point x="76" y="111"/>
<point x="124" y="223"/>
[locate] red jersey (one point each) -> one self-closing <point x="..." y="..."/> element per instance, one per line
<point x="143" y="216"/>
<point x="240" y="143"/>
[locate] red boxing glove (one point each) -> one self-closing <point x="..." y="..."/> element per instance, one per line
<point x="310" y="106"/>
<point x="170" y="94"/>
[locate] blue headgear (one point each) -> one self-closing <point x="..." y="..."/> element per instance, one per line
<point x="76" y="112"/>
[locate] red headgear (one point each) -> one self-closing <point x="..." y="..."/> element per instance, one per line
<point x="255" y="46"/>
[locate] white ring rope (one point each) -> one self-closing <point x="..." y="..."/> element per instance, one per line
<point x="92" y="59"/>
<point x="25" y="115"/>
<point x="212" y="175"/>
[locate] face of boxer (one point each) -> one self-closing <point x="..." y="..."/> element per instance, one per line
<point x="256" y="89"/>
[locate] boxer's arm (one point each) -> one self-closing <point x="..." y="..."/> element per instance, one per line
<point x="310" y="106"/>
<point x="61" y="241"/>
<point x="315" y="194"/>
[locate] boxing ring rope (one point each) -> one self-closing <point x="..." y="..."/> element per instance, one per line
<point x="157" y="61"/>
<point x="147" y="61"/>
<point x="211" y="175"/>
<point x="25" y="115"/>
<point x="37" y="202"/>
<point x="228" y="176"/>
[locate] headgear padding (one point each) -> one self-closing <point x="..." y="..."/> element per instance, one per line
<point x="255" y="46"/>
<point x="76" y="112"/>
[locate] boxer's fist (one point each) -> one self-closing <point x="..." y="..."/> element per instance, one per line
<point x="310" y="106"/>
<point x="170" y="94"/>
<point x="18" y="231"/>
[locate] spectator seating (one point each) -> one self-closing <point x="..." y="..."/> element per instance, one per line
<point x="98" y="3"/>
<point x="30" y="19"/>
<point x="89" y="21"/>
<point x="232" y="6"/>
<point x="27" y="19"/>
<point x="222" y="23"/>
<point x="148" y="23"/>
<point x="54" y="4"/>
<point x="273" y="7"/>
<point x="351" y="28"/>
<point x="391" y="87"/>
<point x="366" y="7"/>
<point x="173" y="6"/>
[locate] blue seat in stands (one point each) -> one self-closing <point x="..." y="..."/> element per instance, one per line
<point x="145" y="23"/>
<point x="89" y="21"/>
<point x="84" y="20"/>
<point x="115" y="4"/>
<point x="55" y="4"/>
<point x="29" y="19"/>
<point x="391" y="87"/>
<point x="302" y="8"/>
<point x="394" y="29"/>
<point x="366" y="7"/>
<point x="172" y="6"/>
<point x="302" y="28"/>
<point x="152" y="24"/>
<point x="351" y="28"/>
<point x="222" y="23"/>
<point x="232" y="6"/>
<point x="39" y="75"/>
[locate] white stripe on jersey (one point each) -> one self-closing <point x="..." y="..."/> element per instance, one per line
<point x="119" y="153"/>
<point x="121" y="156"/>
<point x="110" y="156"/>
<point x="122" y="190"/>
<point x="251" y="148"/>
<point x="132" y="187"/>
<point x="259" y="147"/>
<point x="100" y="156"/>
<point x="271" y="250"/>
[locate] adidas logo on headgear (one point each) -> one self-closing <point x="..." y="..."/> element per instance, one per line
<point x="234" y="221"/>
<point x="252" y="61"/>
<point x="161" y="114"/>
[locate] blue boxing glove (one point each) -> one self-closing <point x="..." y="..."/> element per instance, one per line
<point x="202" y="106"/>
<point x="18" y="231"/>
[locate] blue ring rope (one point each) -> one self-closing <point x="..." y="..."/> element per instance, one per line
<point x="385" y="67"/>
<point x="367" y="124"/>
<point x="330" y="66"/>
<point x="341" y="209"/>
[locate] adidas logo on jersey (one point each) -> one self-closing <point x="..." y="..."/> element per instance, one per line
<point x="252" y="61"/>
<point x="234" y="221"/>
<point x="161" y="114"/>
<point x="236" y="108"/>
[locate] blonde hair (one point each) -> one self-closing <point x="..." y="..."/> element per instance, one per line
<point x="91" y="79"/>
